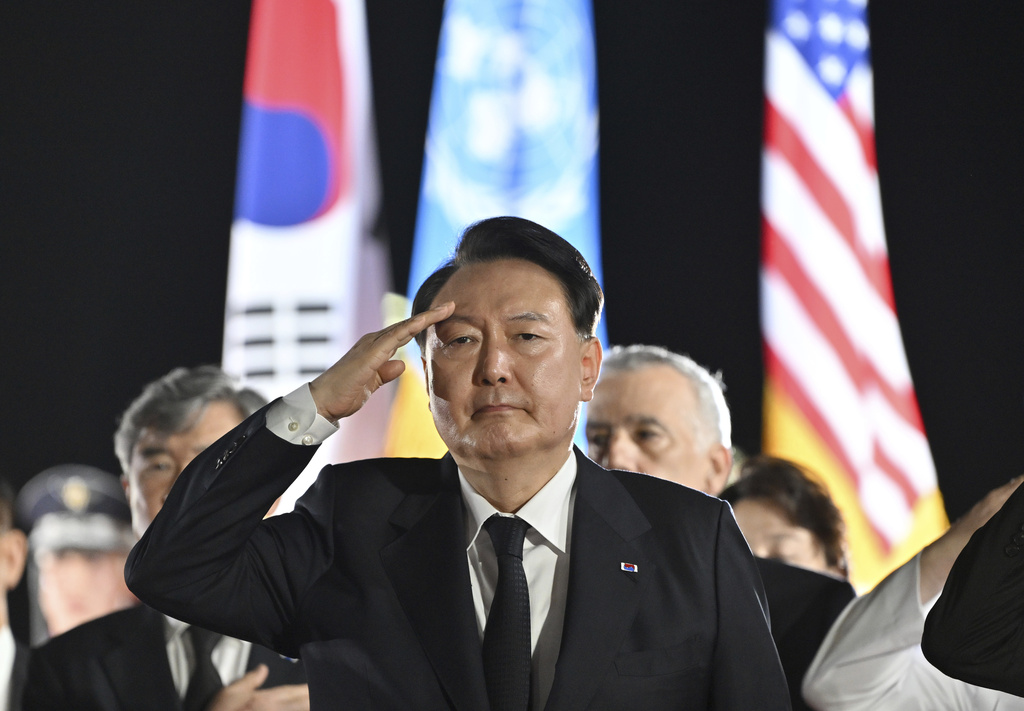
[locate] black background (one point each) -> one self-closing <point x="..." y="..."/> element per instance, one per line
<point x="118" y="143"/>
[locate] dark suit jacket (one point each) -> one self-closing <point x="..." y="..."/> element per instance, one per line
<point x="975" y="631"/>
<point x="368" y="582"/>
<point x="119" y="663"/>
<point x="803" y="606"/>
<point x="18" y="673"/>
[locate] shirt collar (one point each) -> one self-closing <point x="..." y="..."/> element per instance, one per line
<point x="173" y="628"/>
<point x="547" y="512"/>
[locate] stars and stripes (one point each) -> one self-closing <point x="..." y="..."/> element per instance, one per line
<point x="836" y="370"/>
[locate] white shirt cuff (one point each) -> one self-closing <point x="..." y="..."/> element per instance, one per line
<point x="294" y="419"/>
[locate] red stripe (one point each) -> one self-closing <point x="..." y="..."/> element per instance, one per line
<point x="783" y="137"/>
<point x="778" y="373"/>
<point x="865" y="132"/>
<point x="863" y="377"/>
<point x="778" y="255"/>
<point x="895" y="474"/>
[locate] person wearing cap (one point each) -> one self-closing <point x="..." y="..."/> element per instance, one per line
<point x="139" y="658"/>
<point x="79" y="535"/>
<point x="13" y="552"/>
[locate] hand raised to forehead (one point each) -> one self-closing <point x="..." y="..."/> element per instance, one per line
<point x="346" y="386"/>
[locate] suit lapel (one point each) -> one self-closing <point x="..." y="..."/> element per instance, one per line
<point x="137" y="665"/>
<point x="602" y="598"/>
<point x="428" y="569"/>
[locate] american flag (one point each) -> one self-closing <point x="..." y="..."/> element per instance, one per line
<point x="839" y="396"/>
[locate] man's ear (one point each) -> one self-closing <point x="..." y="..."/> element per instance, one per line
<point x="720" y="459"/>
<point x="590" y="363"/>
<point x="13" y="552"/>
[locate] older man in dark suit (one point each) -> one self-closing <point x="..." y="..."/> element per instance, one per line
<point x="513" y="573"/>
<point x="663" y="414"/>
<point x="138" y="658"/>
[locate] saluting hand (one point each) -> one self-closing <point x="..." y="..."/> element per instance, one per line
<point x="346" y="386"/>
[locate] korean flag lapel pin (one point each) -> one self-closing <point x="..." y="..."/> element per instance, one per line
<point x="629" y="567"/>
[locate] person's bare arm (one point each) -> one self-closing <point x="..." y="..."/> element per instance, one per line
<point x="210" y="539"/>
<point x="937" y="558"/>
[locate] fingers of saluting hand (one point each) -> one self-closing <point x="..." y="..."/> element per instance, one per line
<point x="386" y="342"/>
<point x="344" y="387"/>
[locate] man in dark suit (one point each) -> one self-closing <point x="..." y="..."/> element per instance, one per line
<point x="975" y="631"/>
<point x="137" y="658"/>
<point x="663" y="414"/>
<point x="13" y="652"/>
<point x="386" y="579"/>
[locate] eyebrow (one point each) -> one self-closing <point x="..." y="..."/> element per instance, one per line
<point x="645" y="420"/>
<point x="152" y="451"/>
<point x="631" y="420"/>
<point x="531" y="316"/>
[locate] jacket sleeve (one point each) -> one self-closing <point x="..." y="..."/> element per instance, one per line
<point x="747" y="673"/>
<point x="975" y="632"/>
<point x="871" y="657"/>
<point x="211" y="559"/>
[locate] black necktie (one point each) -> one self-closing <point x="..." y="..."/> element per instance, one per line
<point x="205" y="682"/>
<point x="507" y="634"/>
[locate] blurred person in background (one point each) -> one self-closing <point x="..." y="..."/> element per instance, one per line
<point x="13" y="552"/>
<point x="787" y="515"/>
<point x="79" y="536"/>
<point x="872" y="658"/>
<point x="663" y="414"/>
<point x="139" y="658"/>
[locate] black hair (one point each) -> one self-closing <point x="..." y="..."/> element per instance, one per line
<point x="498" y="238"/>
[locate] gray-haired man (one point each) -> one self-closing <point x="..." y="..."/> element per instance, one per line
<point x="139" y="658"/>
<point x="663" y="414"/>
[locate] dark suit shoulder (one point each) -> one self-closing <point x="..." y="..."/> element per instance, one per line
<point x="408" y="474"/>
<point x="121" y="624"/>
<point x="382" y="483"/>
<point x="661" y="496"/>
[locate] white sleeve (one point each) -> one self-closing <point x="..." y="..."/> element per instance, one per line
<point x="294" y="418"/>
<point x="871" y="659"/>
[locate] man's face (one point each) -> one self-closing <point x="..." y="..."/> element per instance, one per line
<point x="157" y="459"/>
<point x="77" y="586"/>
<point x="646" y="421"/>
<point x="506" y="371"/>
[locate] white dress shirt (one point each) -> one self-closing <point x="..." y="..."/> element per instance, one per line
<point x="295" y="419"/>
<point x="545" y="560"/>
<point x="230" y="656"/>
<point x="7" y="650"/>
<point x="871" y="659"/>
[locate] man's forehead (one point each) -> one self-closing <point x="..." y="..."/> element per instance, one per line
<point x="640" y="384"/>
<point x="489" y="276"/>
